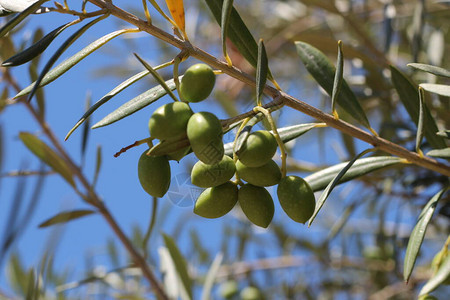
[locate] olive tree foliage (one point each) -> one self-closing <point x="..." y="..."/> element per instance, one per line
<point x="365" y="81"/>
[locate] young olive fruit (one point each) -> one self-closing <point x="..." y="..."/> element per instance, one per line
<point x="197" y="83"/>
<point x="251" y="293"/>
<point x="296" y="198"/>
<point x="229" y="289"/>
<point x="258" y="149"/>
<point x="169" y="120"/>
<point x="154" y="174"/>
<point x="204" y="175"/>
<point x="265" y="175"/>
<point x="215" y="202"/>
<point x="257" y="204"/>
<point x="204" y="132"/>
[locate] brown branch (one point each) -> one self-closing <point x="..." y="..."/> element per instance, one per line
<point x="380" y="143"/>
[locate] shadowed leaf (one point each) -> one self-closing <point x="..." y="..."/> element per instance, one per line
<point x="261" y="71"/>
<point x="441" y="276"/>
<point x="338" y="77"/>
<point x="418" y="234"/>
<point x="431" y="69"/>
<point x="65" y="217"/>
<point x="225" y="21"/>
<point x="319" y="180"/>
<point x="323" y="71"/>
<point x="47" y="155"/>
<point x="419" y="134"/>
<point x="409" y="96"/>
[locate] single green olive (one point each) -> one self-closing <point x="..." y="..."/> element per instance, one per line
<point x="265" y="175"/>
<point x="215" y="202"/>
<point x="257" y="204"/>
<point x="204" y="132"/>
<point x="251" y="293"/>
<point x="296" y="198"/>
<point x="154" y="174"/>
<point x="258" y="149"/>
<point x="197" y="83"/>
<point x="229" y="289"/>
<point x="204" y="175"/>
<point x="170" y="120"/>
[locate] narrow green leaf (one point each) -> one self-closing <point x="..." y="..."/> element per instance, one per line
<point x="157" y="77"/>
<point x="168" y="146"/>
<point x="410" y="98"/>
<point x="136" y="104"/>
<point x="67" y="64"/>
<point x="225" y="21"/>
<point x="319" y="180"/>
<point x="441" y="276"/>
<point x="444" y="133"/>
<point x="85" y="136"/>
<point x="47" y="155"/>
<point x="237" y="32"/>
<point x="418" y="234"/>
<point x="338" y="77"/>
<point x="65" y="217"/>
<point x="98" y="165"/>
<point x="31" y="279"/>
<point x="20" y="17"/>
<point x="333" y="183"/>
<point x="33" y="72"/>
<point x="431" y="69"/>
<point x="440" y="89"/>
<point x="245" y="132"/>
<point x="35" y="49"/>
<point x="106" y="98"/>
<point x="286" y="134"/>
<point x="261" y="71"/>
<point x="441" y="153"/>
<point x="323" y="71"/>
<point x="179" y="262"/>
<point x="211" y="277"/>
<point x="60" y="51"/>
<point x="419" y="134"/>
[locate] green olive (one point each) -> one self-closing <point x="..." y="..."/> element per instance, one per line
<point x="258" y="149"/>
<point x="266" y="175"/>
<point x="197" y="83"/>
<point x="251" y="293"/>
<point x="179" y="154"/>
<point x="204" y="175"/>
<point x="169" y="120"/>
<point x="257" y="204"/>
<point x="296" y="198"/>
<point x="229" y="289"/>
<point x="204" y="132"/>
<point x="215" y="202"/>
<point x="154" y="174"/>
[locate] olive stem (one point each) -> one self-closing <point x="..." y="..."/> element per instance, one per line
<point x="280" y="143"/>
<point x="135" y="144"/>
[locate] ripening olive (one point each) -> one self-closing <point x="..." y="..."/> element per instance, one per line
<point x="169" y="120"/>
<point x="266" y="175"/>
<point x="154" y="174"/>
<point x="229" y="289"/>
<point x="215" y="202"/>
<point x="197" y="83"/>
<point x="251" y="293"/>
<point x="296" y="198"/>
<point x="204" y="132"/>
<point x="257" y="204"/>
<point x="258" y="149"/>
<point x="204" y="175"/>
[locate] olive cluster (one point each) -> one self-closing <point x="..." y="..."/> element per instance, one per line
<point x="253" y="166"/>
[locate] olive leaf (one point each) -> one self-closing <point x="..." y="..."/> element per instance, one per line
<point x="136" y="104"/>
<point x="444" y="133"/>
<point x="409" y="96"/>
<point x="441" y="153"/>
<point x="323" y="71"/>
<point x="211" y="277"/>
<point x="60" y="51"/>
<point x="319" y="180"/>
<point x="20" y="17"/>
<point x="227" y="7"/>
<point x="35" y="49"/>
<point x="65" y="217"/>
<point x="419" y="134"/>
<point x="179" y="262"/>
<point x="47" y="155"/>
<point x="261" y="71"/>
<point x="440" y="89"/>
<point x="245" y="132"/>
<point x="98" y="165"/>
<point x="67" y="64"/>
<point x="176" y="8"/>
<point x="440" y="277"/>
<point x="338" y="78"/>
<point x="418" y="234"/>
<point x="431" y="69"/>
<point x="333" y="183"/>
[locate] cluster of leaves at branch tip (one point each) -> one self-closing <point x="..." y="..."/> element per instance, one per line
<point x="203" y="132"/>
